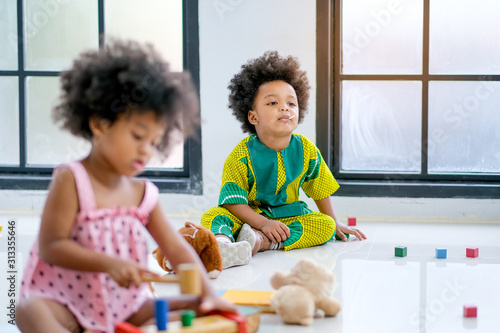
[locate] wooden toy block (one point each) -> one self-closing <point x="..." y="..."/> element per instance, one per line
<point x="470" y="311"/>
<point x="400" y="251"/>
<point x="472" y="252"/>
<point x="161" y="313"/>
<point x="441" y="253"/>
<point x="351" y="221"/>
<point x="252" y="317"/>
<point x="237" y="318"/>
<point x="207" y="324"/>
<point x="190" y="283"/>
<point x="187" y="317"/>
<point x="125" y="327"/>
<point x="253" y="298"/>
<point x="188" y="278"/>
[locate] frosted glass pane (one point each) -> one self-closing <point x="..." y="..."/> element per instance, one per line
<point x="382" y="37"/>
<point x="9" y="124"/>
<point x="464" y="123"/>
<point x="8" y="34"/>
<point x="57" y="31"/>
<point x="175" y="158"/>
<point x="158" y="22"/>
<point x="47" y="144"/>
<point x="464" y="37"/>
<point x="381" y="126"/>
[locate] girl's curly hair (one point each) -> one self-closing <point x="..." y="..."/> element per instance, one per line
<point x="268" y="67"/>
<point x="121" y="78"/>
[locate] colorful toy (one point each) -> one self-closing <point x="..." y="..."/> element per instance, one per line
<point x="125" y="327"/>
<point x="260" y="300"/>
<point x="400" y="251"/>
<point x="470" y="311"/>
<point x="204" y="243"/>
<point x="207" y="324"/>
<point x="304" y="293"/>
<point x="441" y="253"/>
<point x="188" y="278"/>
<point x="472" y="252"/>
<point x="161" y="314"/>
<point x="237" y="318"/>
<point x="187" y="317"/>
<point x="351" y="221"/>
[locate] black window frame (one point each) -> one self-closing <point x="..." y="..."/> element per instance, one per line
<point x="328" y="119"/>
<point x="187" y="180"/>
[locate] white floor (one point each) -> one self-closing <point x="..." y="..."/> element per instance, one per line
<point x="379" y="292"/>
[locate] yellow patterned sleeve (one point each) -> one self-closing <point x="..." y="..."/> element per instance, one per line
<point x="235" y="180"/>
<point x="319" y="182"/>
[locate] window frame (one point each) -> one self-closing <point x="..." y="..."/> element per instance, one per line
<point x="187" y="180"/>
<point x="328" y="121"/>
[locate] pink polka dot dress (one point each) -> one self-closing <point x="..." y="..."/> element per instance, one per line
<point x="95" y="299"/>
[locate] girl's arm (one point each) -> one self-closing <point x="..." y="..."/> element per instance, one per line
<point x="325" y="206"/>
<point x="57" y="248"/>
<point x="276" y="231"/>
<point x="178" y="251"/>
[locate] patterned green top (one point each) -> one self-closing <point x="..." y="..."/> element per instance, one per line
<point x="269" y="181"/>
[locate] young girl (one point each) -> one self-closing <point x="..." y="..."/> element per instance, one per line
<point x="259" y="200"/>
<point x="84" y="271"/>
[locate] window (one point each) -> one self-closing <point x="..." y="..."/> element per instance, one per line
<point x="40" y="39"/>
<point x="408" y="97"/>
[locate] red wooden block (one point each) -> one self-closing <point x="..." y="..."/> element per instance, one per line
<point x="472" y="252"/>
<point x="125" y="327"/>
<point x="239" y="319"/>
<point x="470" y="311"/>
<point x="351" y="221"/>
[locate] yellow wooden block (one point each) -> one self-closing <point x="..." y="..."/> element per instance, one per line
<point x="253" y="298"/>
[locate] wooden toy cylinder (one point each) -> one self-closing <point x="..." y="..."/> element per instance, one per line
<point x="189" y="279"/>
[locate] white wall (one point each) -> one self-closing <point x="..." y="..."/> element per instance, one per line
<point x="231" y="32"/>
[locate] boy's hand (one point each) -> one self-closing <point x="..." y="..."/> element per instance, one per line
<point x="342" y="229"/>
<point x="276" y="231"/>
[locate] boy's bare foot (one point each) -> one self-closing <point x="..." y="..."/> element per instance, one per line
<point x="263" y="243"/>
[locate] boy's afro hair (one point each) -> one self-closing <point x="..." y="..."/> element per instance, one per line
<point x="124" y="77"/>
<point x="267" y="68"/>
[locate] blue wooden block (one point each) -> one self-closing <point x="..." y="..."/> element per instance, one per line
<point x="440" y="253"/>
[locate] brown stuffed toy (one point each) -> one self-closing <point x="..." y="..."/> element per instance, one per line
<point x="204" y="243"/>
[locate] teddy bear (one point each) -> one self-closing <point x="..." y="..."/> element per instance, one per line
<point x="204" y="243"/>
<point x="304" y="293"/>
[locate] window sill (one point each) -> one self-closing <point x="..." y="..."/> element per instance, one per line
<point x="352" y="188"/>
<point x="41" y="182"/>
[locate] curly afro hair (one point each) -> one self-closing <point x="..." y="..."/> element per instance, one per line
<point x="121" y="78"/>
<point x="268" y="67"/>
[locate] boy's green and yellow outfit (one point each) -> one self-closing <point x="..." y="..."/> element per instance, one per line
<point x="269" y="182"/>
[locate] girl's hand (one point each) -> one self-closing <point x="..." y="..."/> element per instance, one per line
<point x="213" y="302"/>
<point x="125" y="272"/>
<point x="276" y="231"/>
<point x="342" y="229"/>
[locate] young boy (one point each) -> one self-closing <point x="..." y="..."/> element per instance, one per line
<point x="259" y="199"/>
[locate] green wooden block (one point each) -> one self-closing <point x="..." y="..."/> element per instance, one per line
<point x="400" y="251"/>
